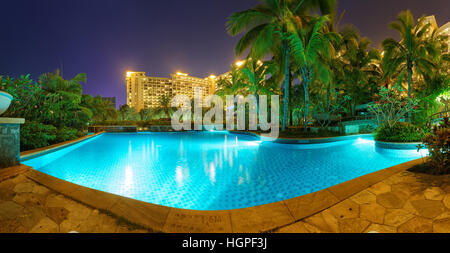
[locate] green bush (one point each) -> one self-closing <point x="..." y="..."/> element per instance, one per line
<point x="66" y="134"/>
<point x="133" y="123"/>
<point x="36" y="135"/>
<point x="400" y="132"/>
<point x="438" y="144"/>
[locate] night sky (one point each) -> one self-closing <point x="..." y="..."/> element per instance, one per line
<point x="105" y="38"/>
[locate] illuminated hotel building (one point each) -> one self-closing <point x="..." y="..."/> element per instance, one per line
<point x="145" y="92"/>
<point x="443" y="30"/>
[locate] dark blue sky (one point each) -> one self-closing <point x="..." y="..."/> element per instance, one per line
<point x="104" y="38"/>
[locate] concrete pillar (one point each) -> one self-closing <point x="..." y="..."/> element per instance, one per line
<point x="10" y="141"/>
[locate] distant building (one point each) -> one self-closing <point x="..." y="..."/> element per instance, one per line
<point x="146" y="92"/>
<point x="112" y="100"/>
<point x="443" y="30"/>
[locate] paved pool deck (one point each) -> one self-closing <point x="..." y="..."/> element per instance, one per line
<point x="402" y="202"/>
<point x="390" y="200"/>
<point x="28" y="207"/>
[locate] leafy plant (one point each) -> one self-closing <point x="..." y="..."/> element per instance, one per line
<point x="36" y="135"/>
<point x="66" y="133"/>
<point x="324" y="112"/>
<point x="400" y="132"/>
<point x="30" y="101"/>
<point x="127" y="113"/>
<point x="438" y="144"/>
<point x="413" y="52"/>
<point x="266" y="28"/>
<point x="354" y="67"/>
<point x="311" y="50"/>
<point x="392" y="106"/>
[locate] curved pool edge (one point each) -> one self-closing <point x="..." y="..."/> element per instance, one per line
<point x="263" y="218"/>
<point x="30" y="154"/>
<point x="398" y="145"/>
<point x="305" y="140"/>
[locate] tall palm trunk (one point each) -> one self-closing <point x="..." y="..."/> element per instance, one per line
<point x="257" y="106"/>
<point x="305" y="117"/>
<point x="409" y="86"/>
<point x="306" y="74"/>
<point x="291" y="111"/>
<point x="286" y="84"/>
<point x="328" y="96"/>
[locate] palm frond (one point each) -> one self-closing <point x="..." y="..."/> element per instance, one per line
<point x="246" y="41"/>
<point x="242" y="21"/>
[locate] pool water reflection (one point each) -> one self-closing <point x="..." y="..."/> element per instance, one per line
<point x="212" y="170"/>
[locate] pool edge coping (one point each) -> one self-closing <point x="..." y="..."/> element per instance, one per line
<point x="169" y="219"/>
<point x="263" y="218"/>
<point x="30" y="154"/>
<point x="315" y="140"/>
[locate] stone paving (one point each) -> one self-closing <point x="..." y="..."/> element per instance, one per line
<point x="26" y="206"/>
<point x="403" y="203"/>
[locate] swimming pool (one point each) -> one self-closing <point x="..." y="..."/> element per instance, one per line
<point x="213" y="170"/>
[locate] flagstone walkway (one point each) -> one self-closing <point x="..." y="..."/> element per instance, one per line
<point x="403" y="203"/>
<point x="26" y="206"/>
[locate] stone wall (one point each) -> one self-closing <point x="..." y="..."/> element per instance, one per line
<point x="358" y="126"/>
<point x="9" y="145"/>
<point x="112" y="129"/>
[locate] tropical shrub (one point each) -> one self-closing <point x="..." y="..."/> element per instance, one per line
<point x="367" y="129"/>
<point x="66" y="134"/>
<point x="438" y="144"/>
<point x="325" y="111"/>
<point x="444" y="99"/>
<point x="400" y="132"/>
<point x="392" y="106"/>
<point x="50" y="101"/>
<point x="53" y="102"/>
<point x="434" y="94"/>
<point x="36" y="135"/>
<point x="127" y="113"/>
<point x="142" y="123"/>
<point x="98" y="108"/>
<point x="30" y="100"/>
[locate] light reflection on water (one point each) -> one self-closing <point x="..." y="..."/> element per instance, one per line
<point x="213" y="170"/>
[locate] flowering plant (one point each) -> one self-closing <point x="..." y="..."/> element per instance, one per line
<point x="438" y="144"/>
<point x="392" y="106"/>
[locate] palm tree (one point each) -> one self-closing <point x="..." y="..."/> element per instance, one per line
<point x="127" y="113"/>
<point x="254" y="78"/>
<point x="67" y="96"/>
<point x="358" y="65"/>
<point x="311" y="48"/>
<point x="101" y="109"/>
<point x="266" y="28"/>
<point x="230" y="84"/>
<point x="413" y="52"/>
<point x="165" y="106"/>
<point x="54" y="82"/>
<point x="105" y="108"/>
<point x="146" y="114"/>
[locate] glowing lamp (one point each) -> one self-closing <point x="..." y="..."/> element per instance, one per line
<point x="240" y="63"/>
<point x="181" y="74"/>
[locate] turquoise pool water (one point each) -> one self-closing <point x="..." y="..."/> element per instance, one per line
<point x="213" y="170"/>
